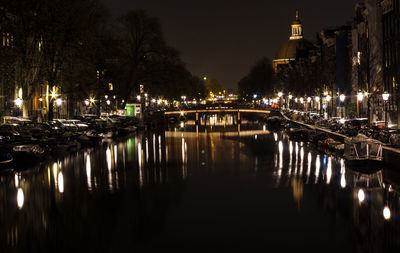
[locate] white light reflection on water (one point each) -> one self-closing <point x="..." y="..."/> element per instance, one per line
<point x="16" y="179"/>
<point x="361" y="195"/>
<point x="386" y="213"/>
<point x="154" y="148"/>
<point x="139" y="150"/>
<point x="88" y="172"/>
<point x="309" y="161"/>
<point x="115" y="155"/>
<point x="184" y="158"/>
<point x="343" y="174"/>
<point x="275" y="136"/>
<point x="301" y="160"/>
<point x="329" y="171"/>
<point x="280" y="154"/>
<point x="109" y="166"/>
<point x="317" y="168"/>
<point x="60" y="182"/>
<point x="20" y="198"/>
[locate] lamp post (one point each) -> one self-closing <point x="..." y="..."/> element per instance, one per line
<point x="385" y="97"/>
<point x="342" y="98"/>
<point x="360" y="97"/>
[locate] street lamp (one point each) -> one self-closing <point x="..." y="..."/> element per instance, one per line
<point x="58" y="102"/>
<point x="360" y="97"/>
<point x="138" y="97"/>
<point x="18" y="102"/>
<point x="385" y="97"/>
<point x="87" y="102"/>
<point x="342" y="98"/>
<point x="280" y="94"/>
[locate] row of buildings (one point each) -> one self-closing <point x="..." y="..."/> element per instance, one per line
<point x="352" y="65"/>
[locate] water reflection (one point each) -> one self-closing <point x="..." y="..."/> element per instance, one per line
<point x="136" y="190"/>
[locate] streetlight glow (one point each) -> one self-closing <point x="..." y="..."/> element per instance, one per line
<point x="317" y="99"/>
<point x="308" y="99"/>
<point x="18" y="102"/>
<point x="280" y="94"/>
<point x="290" y="96"/>
<point x="328" y="98"/>
<point x="58" y="101"/>
<point x="87" y="102"/>
<point x="342" y="97"/>
<point x="386" y="213"/>
<point x="385" y="96"/>
<point x="360" y="96"/>
<point x="138" y="97"/>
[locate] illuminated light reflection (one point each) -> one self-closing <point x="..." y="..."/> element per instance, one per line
<point x="16" y="181"/>
<point x="361" y="195"/>
<point x="115" y="155"/>
<point x="317" y="168"/>
<point x="20" y="198"/>
<point x="301" y="160"/>
<point x="329" y="171"/>
<point x="60" y="182"/>
<point x="343" y="174"/>
<point x="276" y="136"/>
<point x="55" y="172"/>
<point x="386" y="213"/>
<point x="108" y="158"/>
<point x="182" y="124"/>
<point x="140" y="164"/>
<point x="88" y="172"/>
<point x="280" y="155"/>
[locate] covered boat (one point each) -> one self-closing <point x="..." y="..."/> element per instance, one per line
<point x="362" y="151"/>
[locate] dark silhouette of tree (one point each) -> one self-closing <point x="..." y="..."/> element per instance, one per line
<point x="260" y="79"/>
<point x="214" y="86"/>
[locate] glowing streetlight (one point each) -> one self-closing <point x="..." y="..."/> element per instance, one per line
<point x="18" y="102"/>
<point x="328" y="98"/>
<point x="317" y="99"/>
<point x="290" y="96"/>
<point x="360" y="96"/>
<point x="153" y="100"/>
<point x="301" y="100"/>
<point x="385" y="97"/>
<point x="138" y="97"/>
<point x="308" y="99"/>
<point x="342" y="97"/>
<point x="87" y="102"/>
<point x="91" y="100"/>
<point x="296" y="100"/>
<point x="280" y="94"/>
<point x="205" y="78"/>
<point x="58" y="102"/>
<point x="108" y="102"/>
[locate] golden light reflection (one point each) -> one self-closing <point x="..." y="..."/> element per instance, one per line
<point x="16" y="179"/>
<point x="297" y="188"/>
<point x="20" y="198"/>
<point x="182" y="125"/>
<point x="115" y="155"/>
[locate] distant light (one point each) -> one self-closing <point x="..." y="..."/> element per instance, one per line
<point x="153" y="100"/>
<point x="280" y="94"/>
<point x="301" y="100"/>
<point x="308" y="99"/>
<point x="58" y="101"/>
<point x="106" y="96"/>
<point x="386" y="213"/>
<point x="92" y="100"/>
<point x="87" y="102"/>
<point x="255" y="96"/>
<point x="342" y="97"/>
<point x="205" y="78"/>
<point x="361" y="195"/>
<point x="114" y="97"/>
<point x="317" y="99"/>
<point x="290" y="96"/>
<point x="108" y="102"/>
<point x="138" y="97"/>
<point x="295" y="100"/>
<point x="145" y="94"/>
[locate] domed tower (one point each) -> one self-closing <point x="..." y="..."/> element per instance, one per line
<point x="296" y="47"/>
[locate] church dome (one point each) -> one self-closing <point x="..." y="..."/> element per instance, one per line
<point x="293" y="49"/>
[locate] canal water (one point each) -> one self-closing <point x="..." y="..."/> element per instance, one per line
<point x="199" y="191"/>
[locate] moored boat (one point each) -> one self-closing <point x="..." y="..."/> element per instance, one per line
<point x="361" y="151"/>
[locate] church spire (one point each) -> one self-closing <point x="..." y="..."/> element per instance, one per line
<point x="297" y="28"/>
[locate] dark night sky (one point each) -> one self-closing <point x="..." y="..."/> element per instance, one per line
<point x="223" y="39"/>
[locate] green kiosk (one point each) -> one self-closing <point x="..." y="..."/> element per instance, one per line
<point x="133" y="110"/>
